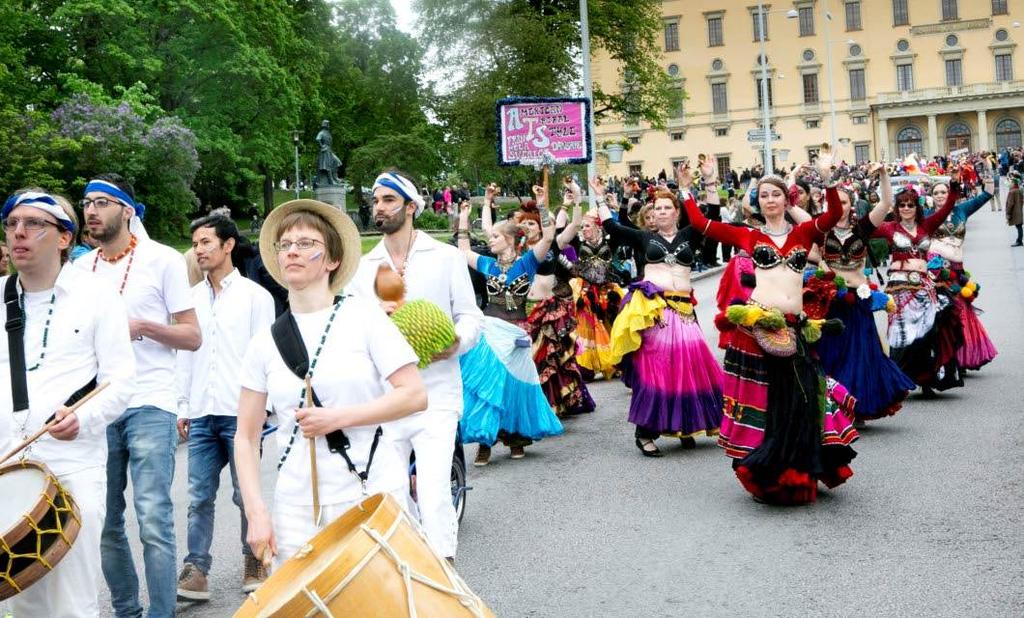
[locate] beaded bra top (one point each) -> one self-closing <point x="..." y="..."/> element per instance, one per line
<point x="951" y="233"/>
<point x="844" y="249"/>
<point x="767" y="255"/>
<point x="594" y="262"/>
<point x="904" y="247"/>
<point x="660" y="251"/>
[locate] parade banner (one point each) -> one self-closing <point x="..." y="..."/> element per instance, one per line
<point x="536" y="131"/>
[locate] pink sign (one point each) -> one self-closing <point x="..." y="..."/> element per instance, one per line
<point x="533" y="131"/>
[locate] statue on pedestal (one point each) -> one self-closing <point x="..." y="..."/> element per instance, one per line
<point x="327" y="162"/>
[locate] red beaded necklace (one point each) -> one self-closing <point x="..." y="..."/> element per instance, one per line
<point x="128" y="251"/>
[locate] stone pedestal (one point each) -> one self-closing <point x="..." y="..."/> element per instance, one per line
<point x="331" y="194"/>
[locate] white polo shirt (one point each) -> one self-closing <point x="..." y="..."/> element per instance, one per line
<point x="436" y="272"/>
<point x="208" y="378"/>
<point x="156" y="287"/>
<point x="87" y="338"/>
<point x="363" y="348"/>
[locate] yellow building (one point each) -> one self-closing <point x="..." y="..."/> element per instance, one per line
<point x="925" y="76"/>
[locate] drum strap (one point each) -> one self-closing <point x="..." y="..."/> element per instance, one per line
<point x="15" y="326"/>
<point x="288" y="340"/>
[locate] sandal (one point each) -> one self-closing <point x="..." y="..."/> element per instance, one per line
<point x="653" y="451"/>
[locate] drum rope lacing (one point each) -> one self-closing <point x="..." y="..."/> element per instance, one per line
<point x="409" y="575"/>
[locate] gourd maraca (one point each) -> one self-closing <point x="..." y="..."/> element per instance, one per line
<point x="427" y="328"/>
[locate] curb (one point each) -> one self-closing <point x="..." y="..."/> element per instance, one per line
<point x="707" y="273"/>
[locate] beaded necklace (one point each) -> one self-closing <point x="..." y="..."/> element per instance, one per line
<point x="46" y="329"/>
<point x="129" y="251"/>
<point x="309" y="375"/>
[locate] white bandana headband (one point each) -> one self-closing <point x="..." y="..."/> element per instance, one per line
<point x="404" y="188"/>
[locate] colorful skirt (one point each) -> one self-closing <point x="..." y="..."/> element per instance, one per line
<point x="734" y="287"/>
<point x="676" y="382"/>
<point x="785" y="425"/>
<point x="553" y="330"/>
<point x="596" y="309"/>
<point x="912" y="332"/>
<point x="501" y="391"/>
<point x="856" y="359"/>
<point x="977" y="349"/>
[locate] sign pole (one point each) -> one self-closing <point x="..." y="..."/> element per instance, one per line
<point x="588" y="92"/>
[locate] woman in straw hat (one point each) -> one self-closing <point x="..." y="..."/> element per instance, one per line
<point x="312" y="249"/>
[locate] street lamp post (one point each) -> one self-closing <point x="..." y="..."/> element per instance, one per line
<point x="588" y="92"/>
<point x="295" y="141"/>
<point x="828" y="72"/>
<point x="766" y="126"/>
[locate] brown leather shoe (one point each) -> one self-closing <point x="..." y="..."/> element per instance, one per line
<point x="255" y="574"/>
<point x="518" y="452"/>
<point x="192" y="584"/>
<point x="483" y="456"/>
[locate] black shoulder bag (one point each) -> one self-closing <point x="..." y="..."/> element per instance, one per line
<point x="289" y="344"/>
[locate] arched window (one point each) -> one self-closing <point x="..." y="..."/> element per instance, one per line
<point x="958" y="136"/>
<point x="908" y="140"/>
<point x="1008" y="134"/>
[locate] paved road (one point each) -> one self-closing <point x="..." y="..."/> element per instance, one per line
<point x="584" y="526"/>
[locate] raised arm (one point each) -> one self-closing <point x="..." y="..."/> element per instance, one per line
<point x="885" y="204"/>
<point x="970" y="206"/>
<point x="572" y="227"/>
<point x="547" y="226"/>
<point x="715" y="230"/>
<point x="933" y="221"/>
<point x="462" y="234"/>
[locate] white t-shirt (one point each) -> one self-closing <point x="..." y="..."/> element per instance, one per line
<point x="362" y="349"/>
<point x="156" y="287"/>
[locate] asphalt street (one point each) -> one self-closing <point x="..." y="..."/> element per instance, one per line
<point x="930" y="525"/>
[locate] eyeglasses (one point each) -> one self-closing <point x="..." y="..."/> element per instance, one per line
<point x="31" y="224"/>
<point x="100" y="203"/>
<point x="302" y="244"/>
<point x="907" y="205"/>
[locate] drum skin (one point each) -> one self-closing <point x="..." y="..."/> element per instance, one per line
<point x="51" y="525"/>
<point x="346" y="550"/>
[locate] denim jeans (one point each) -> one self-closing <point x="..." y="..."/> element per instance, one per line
<point x="142" y="443"/>
<point x="211" y="446"/>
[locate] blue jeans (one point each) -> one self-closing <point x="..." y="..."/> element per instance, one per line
<point x="211" y="446"/>
<point x="141" y="442"/>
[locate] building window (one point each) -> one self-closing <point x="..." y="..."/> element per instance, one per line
<point x="811" y="88"/>
<point x="958" y="135"/>
<point x="721" y="132"/>
<point x="812" y="124"/>
<point x="952" y="40"/>
<point x="672" y="36"/>
<point x="677" y="106"/>
<point x="900" y="15"/>
<point x="860" y="120"/>
<point x="1004" y="67"/>
<point x="902" y="45"/>
<point x="812" y="154"/>
<point x="724" y="166"/>
<point x="949" y="11"/>
<point x="719" y="101"/>
<point x="855" y="50"/>
<point x="1002" y="35"/>
<point x="717" y="64"/>
<point x="760" y="102"/>
<point x="808" y="55"/>
<point x="857" y="90"/>
<point x="806" y="20"/>
<point x="677" y="137"/>
<point x="635" y="169"/>
<point x="1008" y="134"/>
<point x="853" y="15"/>
<point x="756" y="15"/>
<point x="715" y="32"/>
<point x="908" y="140"/>
<point x="954" y="72"/>
<point x="999" y="7"/>
<point x="634" y="140"/>
<point x="904" y="77"/>
<point x="862" y="153"/>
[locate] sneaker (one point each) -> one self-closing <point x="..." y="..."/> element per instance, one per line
<point x="192" y="584"/>
<point x="255" y="574"/>
<point x="483" y="456"/>
<point x="518" y="452"/>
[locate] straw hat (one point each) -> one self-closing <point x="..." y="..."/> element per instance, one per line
<point x="335" y="217"/>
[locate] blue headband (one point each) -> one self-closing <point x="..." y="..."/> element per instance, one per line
<point x="402" y="186"/>
<point x="42" y="201"/>
<point x="110" y="188"/>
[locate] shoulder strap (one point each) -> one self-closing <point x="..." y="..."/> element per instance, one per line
<point x="15" y="327"/>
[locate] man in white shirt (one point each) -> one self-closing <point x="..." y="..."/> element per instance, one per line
<point x="231" y="310"/>
<point x="152" y="280"/>
<point x="436" y="272"/>
<point x="75" y="333"/>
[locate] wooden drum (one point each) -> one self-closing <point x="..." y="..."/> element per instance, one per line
<point x="371" y="561"/>
<point x="40" y="523"/>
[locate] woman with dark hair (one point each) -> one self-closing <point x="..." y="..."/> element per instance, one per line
<point x="946" y="264"/>
<point x="855" y="356"/>
<point x="776" y="428"/>
<point x="502" y="397"/>
<point x="676" y="382"/>
<point x="912" y="322"/>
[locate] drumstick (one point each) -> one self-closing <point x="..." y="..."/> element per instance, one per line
<point x="312" y="460"/>
<point x="54" y="421"/>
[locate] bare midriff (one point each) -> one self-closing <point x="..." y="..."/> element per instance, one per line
<point x="779" y="287"/>
<point x="671" y="278"/>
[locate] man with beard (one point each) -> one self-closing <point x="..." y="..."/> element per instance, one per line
<point x="152" y="280"/>
<point x="436" y="272"/>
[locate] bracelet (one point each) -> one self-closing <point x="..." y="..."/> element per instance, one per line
<point x="462" y="233"/>
<point x="545" y="217"/>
